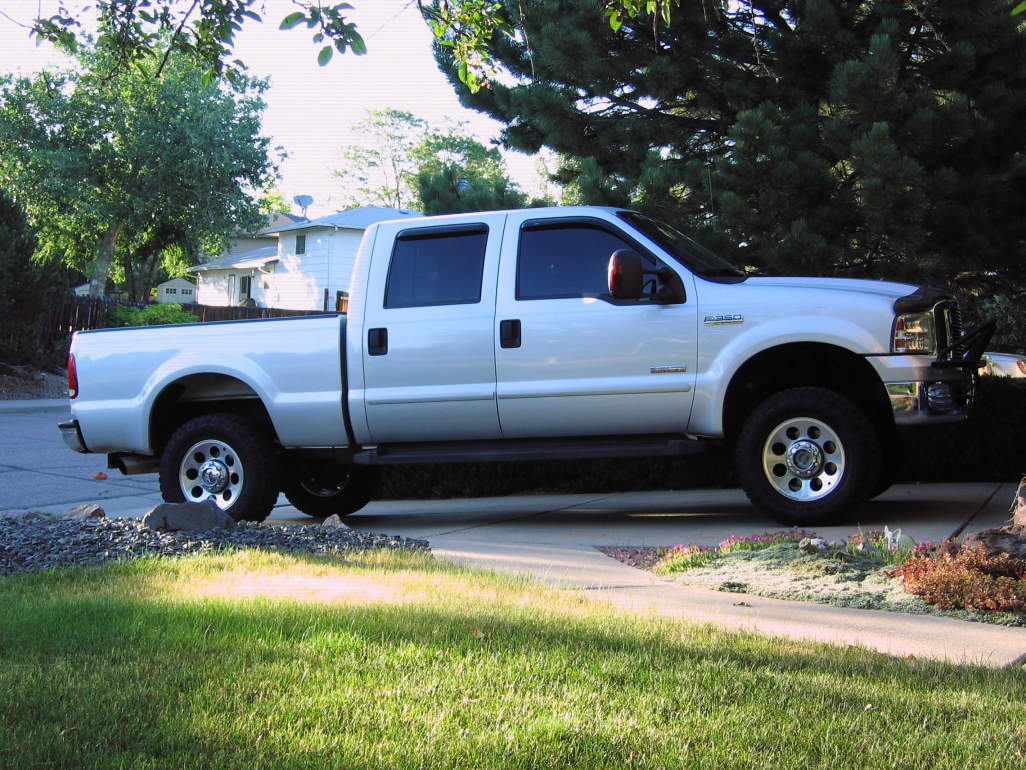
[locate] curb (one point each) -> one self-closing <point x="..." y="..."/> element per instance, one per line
<point x="35" y="405"/>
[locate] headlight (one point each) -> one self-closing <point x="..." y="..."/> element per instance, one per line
<point x="913" y="333"/>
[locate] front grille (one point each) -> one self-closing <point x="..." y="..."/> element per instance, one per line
<point x="949" y="328"/>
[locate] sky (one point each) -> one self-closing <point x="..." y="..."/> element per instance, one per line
<point x="310" y="108"/>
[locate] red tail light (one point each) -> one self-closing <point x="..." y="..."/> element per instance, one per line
<point x="72" y="377"/>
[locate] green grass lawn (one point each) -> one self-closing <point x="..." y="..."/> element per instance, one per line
<point x="149" y="665"/>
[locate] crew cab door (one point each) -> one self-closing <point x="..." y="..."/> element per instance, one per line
<point x="570" y="360"/>
<point x="429" y="358"/>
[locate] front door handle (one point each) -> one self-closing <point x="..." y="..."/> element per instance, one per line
<point x="509" y="333"/>
<point x="377" y="342"/>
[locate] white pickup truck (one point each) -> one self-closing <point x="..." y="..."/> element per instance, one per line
<point x="525" y="335"/>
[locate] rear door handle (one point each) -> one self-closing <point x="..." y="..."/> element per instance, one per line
<point x="377" y="342"/>
<point x="509" y="333"/>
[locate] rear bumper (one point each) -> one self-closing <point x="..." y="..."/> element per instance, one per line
<point x="72" y="436"/>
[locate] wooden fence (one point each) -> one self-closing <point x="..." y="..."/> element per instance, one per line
<point x="81" y="313"/>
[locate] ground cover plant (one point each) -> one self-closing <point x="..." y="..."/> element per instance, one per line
<point x="397" y="661"/>
<point x="869" y="570"/>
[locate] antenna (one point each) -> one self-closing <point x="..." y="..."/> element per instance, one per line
<point x="303" y="201"/>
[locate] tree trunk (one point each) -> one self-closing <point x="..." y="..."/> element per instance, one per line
<point x="150" y="273"/>
<point x="129" y="276"/>
<point x="101" y="268"/>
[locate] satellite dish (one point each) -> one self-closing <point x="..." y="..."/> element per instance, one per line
<point x="303" y="201"/>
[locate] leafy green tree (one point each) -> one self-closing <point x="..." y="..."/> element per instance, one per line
<point x="133" y="32"/>
<point x="116" y="171"/>
<point x="379" y="171"/>
<point x="860" y="137"/>
<point x="25" y="285"/>
<point x="456" y="173"/>
<point x="403" y="162"/>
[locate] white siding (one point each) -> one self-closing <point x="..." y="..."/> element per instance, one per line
<point x="176" y="290"/>
<point x="296" y="281"/>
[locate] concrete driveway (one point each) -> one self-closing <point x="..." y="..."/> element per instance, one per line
<point x="554" y="538"/>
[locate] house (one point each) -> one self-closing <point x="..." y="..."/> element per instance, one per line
<point x="307" y="270"/>
<point x="243" y="243"/>
<point x="178" y="290"/>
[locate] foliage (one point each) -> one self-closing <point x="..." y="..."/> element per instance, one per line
<point x="116" y="171"/>
<point x="872" y="138"/>
<point x="134" y="32"/>
<point x="25" y="285"/>
<point x="403" y="162"/>
<point x="966" y="579"/>
<point x="148" y="33"/>
<point x="151" y="315"/>
<point x="683" y="557"/>
<point x="378" y="171"/>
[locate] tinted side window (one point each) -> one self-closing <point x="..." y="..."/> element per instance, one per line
<point x="436" y="269"/>
<point x="565" y="261"/>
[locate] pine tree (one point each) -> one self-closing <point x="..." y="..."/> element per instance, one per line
<point x="877" y="138"/>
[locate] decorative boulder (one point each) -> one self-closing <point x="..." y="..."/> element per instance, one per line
<point x="87" y="511"/>
<point x="188" y="517"/>
<point x="334" y="522"/>
<point x="995" y="542"/>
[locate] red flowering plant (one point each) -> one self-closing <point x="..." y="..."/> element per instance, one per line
<point x="954" y="579"/>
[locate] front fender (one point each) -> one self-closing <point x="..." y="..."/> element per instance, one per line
<point x="725" y="349"/>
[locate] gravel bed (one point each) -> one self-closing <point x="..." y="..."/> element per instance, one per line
<point x="37" y="545"/>
<point x="639" y="558"/>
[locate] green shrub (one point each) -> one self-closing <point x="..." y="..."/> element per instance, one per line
<point x="989" y="446"/>
<point x="151" y="315"/>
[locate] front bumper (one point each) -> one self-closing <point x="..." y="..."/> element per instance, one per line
<point x="930" y="403"/>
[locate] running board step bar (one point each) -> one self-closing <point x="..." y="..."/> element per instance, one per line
<point x="530" y="449"/>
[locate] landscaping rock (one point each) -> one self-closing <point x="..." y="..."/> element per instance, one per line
<point x="21" y="516"/>
<point x="334" y="521"/>
<point x="1009" y="540"/>
<point x="1019" y="506"/>
<point x="812" y="544"/>
<point x="87" y="511"/>
<point x="188" y="517"/>
<point x="51" y="542"/>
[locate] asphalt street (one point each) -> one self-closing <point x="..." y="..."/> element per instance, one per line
<point x="37" y="469"/>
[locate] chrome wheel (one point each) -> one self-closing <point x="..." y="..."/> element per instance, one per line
<point x="211" y="470"/>
<point x="803" y="459"/>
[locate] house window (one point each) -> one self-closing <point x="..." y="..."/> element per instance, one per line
<point x="186" y="291"/>
<point x="301" y="244"/>
<point x="244" y="286"/>
<point x="171" y="291"/>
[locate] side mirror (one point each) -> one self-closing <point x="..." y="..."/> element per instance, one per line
<point x="626" y="275"/>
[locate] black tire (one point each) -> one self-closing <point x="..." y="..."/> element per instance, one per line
<point x="325" y="488"/>
<point x="808" y="457"/>
<point x="225" y="458"/>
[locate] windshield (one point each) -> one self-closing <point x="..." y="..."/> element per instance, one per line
<point x="693" y="255"/>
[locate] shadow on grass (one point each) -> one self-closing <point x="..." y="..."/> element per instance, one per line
<point x="96" y="673"/>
